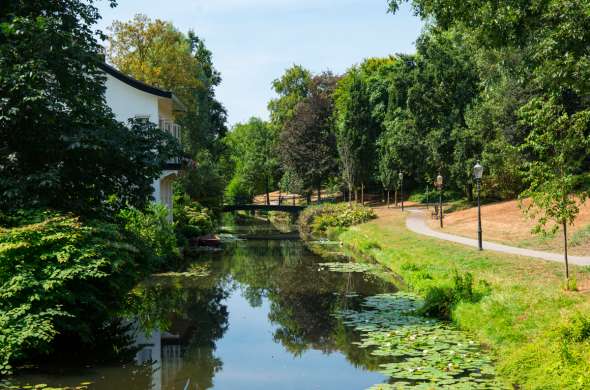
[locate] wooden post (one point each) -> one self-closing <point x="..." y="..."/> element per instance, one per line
<point x="267" y="193"/>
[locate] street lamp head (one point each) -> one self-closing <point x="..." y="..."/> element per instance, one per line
<point x="478" y="171"/>
<point x="401" y="176"/>
<point x="439" y="181"/>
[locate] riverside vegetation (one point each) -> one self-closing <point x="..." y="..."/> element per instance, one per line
<point x="78" y="229"/>
<point x="420" y="352"/>
<point x="537" y="331"/>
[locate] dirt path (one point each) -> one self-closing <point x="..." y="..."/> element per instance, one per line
<point x="416" y="222"/>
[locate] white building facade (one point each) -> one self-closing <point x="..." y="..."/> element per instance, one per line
<point x="131" y="98"/>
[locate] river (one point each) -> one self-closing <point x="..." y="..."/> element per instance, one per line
<point x="261" y="314"/>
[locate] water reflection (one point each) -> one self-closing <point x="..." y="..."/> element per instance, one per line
<point x="262" y="318"/>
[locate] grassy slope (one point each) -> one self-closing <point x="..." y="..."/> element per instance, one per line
<point x="523" y="319"/>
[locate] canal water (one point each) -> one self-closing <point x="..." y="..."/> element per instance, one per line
<point x="261" y="314"/>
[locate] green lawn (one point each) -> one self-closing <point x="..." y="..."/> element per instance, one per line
<point x="538" y="332"/>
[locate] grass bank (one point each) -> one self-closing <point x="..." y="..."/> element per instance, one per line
<point x="538" y="332"/>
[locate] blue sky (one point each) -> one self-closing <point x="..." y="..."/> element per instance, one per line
<point x="254" y="41"/>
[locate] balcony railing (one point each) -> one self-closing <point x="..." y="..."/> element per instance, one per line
<point x="173" y="129"/>
<point x="170" y="127"/>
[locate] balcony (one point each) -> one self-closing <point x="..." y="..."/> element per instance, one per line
<point x="175" y="130"/>
<point x="171" y="127"/>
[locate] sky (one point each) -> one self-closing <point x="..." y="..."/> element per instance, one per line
<point x="254" y="41"/>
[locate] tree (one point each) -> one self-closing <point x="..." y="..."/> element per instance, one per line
<point x="560" y="143"/>
<point x="291" y="183"/>
<point x="292" y="88"/>
<point x="349" y="164"/>
<point x="307" y="143"/>
<point x="387" y="172"/>
<point x="444" y="86"/>
<point x="206" y="124"/>
<point x="354" y="129"/>
<point x="154" y="52"/>
<point x="551" y="47"/>
<point x="60" y="146"/>
<point x="251" y="147"/>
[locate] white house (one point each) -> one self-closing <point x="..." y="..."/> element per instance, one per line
<point x="131" y="98"/>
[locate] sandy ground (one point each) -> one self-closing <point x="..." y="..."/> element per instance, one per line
<point x="505" y="223"/>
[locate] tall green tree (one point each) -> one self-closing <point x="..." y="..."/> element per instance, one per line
<point x="355" y="129"/>
<point x="252" y="146"/>
<point x="292" y="87"/>
<point x="307" y="143"/>
<point x="444" y="86"/>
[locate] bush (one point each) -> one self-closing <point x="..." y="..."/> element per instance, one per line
<point x="318" y="219"/>
<point x="440" y="301"/>
<point x="153" y="231"/>
<point x="60" y="275"/>
<point x="192" y="219"/>
<point x="576" y="330"/>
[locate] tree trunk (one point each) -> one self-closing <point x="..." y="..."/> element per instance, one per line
<point x="387" y="198"/>
<point x="363" y="194"/>
<point x="319" y="191"/>
<point x="356" y="195"/>
<point x="308" y="195"/>
<point x="469" y="191"/>
<point x="396" y="197"/>
<point x="349" y="195"/>
<point x="567" y="269"/>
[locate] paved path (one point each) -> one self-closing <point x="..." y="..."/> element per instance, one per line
<point x="416" y="222"/>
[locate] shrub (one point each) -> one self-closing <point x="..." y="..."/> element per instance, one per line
<point x="192" y="219"/>
<point x="61" y="275"/>
<point x="153" y="231"/>
<point x="577" y="329"/>
<point x="318" y="219"/>
<point x="440" y="301"/>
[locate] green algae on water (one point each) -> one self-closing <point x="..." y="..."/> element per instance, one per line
<point x="425" y="353"/>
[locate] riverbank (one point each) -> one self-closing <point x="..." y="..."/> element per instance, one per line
<point x="537" y="332"/>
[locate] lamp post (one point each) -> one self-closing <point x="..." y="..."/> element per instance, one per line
<point x="439" y="184"/>
<point x="401" y="184"/>
<point x="427" y="200"/>
<point x="477" y="174"/>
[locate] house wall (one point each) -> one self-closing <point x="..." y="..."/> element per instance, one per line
<point x="128" y="102"/>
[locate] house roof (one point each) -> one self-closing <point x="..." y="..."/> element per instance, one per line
<point x="179" y="105"/>
<point x="134" y="82"/>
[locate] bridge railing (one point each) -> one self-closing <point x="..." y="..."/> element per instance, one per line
<point x="275" y="198"/>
